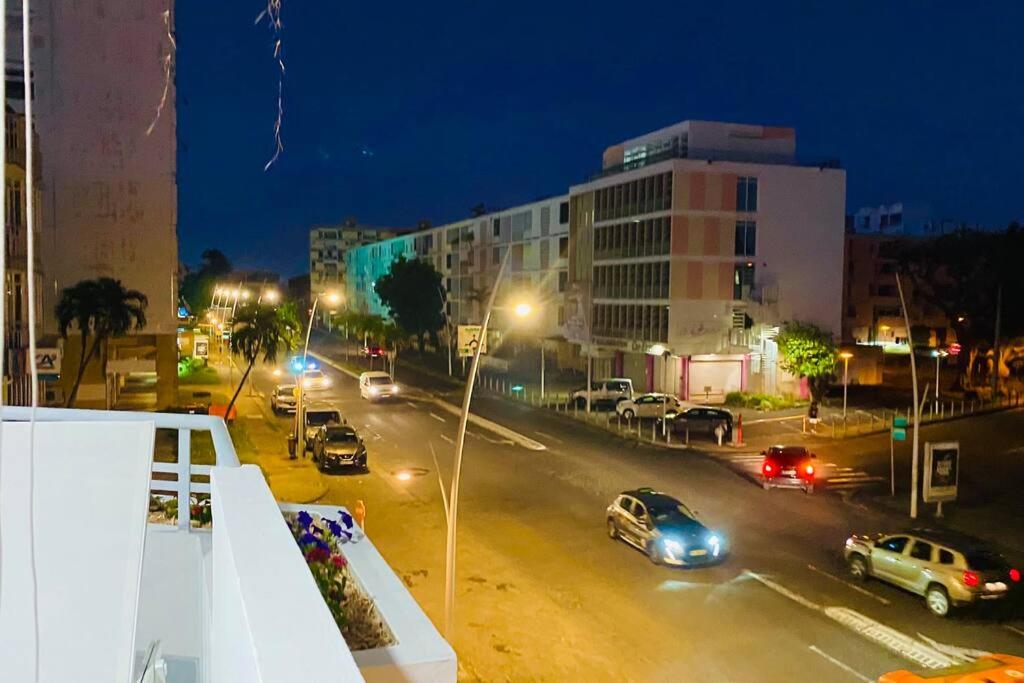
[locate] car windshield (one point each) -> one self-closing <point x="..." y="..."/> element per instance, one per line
<point x="663" y="513"/>
<point x="379" y="380"/>
<point x="985" y="560"/>
<point x="788" y="455"/>
<point x="341" y="436"/>
<point x="318" y="418"/>
<point x="285" y="391"/>
<point x="314" y="374"/>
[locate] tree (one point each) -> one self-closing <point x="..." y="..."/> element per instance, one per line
<point x="409" y="291"/>
<point x="960" y="274"/>
<point x="808" y="351"/>
<point x="262" y="330"/>
<point x="197" y="286"/>
<point x="102" y="308"/>
<point x="393" y="337"/>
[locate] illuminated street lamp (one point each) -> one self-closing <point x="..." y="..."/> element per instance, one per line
<point x="271" y="295"/>
<point x="846" y="356"/>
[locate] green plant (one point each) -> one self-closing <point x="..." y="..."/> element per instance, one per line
<point x="320" y="541"/>
<point x="261" y="330"/>
<point x="808" y="351"/>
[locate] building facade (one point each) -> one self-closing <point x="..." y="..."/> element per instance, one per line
<point x="468" y="254"/>
<point x="328" y="245"/>
<point x="899" y="218"/>
<point x="691" y="248"/>
<point x="102" y="69"/>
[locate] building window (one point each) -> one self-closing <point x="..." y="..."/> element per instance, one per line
<point x="563" y="280"/>
<point x="563" y="247"/>
<point x="746" y="194"/>
<point x="742" y="280"/>
<point x="561" y="315"/>
<point x="448" y="260"/>
<point x="447" y="285"/>
<point x="496" y="227"/>
<point x="563" y="213"/>
<point x="746" y="238"/>
<point x="895" y="219"/>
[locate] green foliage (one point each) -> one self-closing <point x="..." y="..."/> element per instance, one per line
<point x="262" y="331"/>
<point x="100" y="308"/>
<point x="808" y="351"/>
<point x="413" y="294"/>
<point x="762" y="402"/>
<point x="197" y="287"/>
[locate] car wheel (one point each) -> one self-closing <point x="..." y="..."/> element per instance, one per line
<point x="765" y="484"/>
<point x="613" y="531"/>
<point x="937" y="600"/>
<point x="628" y="414"/>
<point x="653" y="553"/>
<point x="858" y="568"/>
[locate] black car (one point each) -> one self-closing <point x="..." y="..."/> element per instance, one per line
<point x="664" y="528"/>
<point x="337" y="447"/>
<point x="703" y="420"/>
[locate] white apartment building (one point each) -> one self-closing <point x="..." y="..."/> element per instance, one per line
<point x="468" y="254"/>
<point x="690" y="249"/>
<point x="327" y="247"/>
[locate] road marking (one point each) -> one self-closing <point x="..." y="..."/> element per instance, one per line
<point x="437" y="417"/>
<point x="447" y="438"/>
<point x="410" y="403"/>
<point x="900" y="643"/>
<point x="547" y="436"/>
<point x="782" y="590"/>
<point x="1014" y="629"/>
<point x="491" y="426"/>
<point x="849" y="585"/>
<point x="845" y="667"/>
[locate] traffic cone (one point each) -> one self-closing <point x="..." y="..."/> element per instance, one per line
<point x="737" y="433"/>
<point x="359" y="512"/>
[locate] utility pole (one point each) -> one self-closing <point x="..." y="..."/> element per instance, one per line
<point x="995" y="342"/>
<point x="917" y="406"/>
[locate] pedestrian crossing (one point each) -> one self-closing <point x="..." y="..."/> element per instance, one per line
<point x="833" y="477"/>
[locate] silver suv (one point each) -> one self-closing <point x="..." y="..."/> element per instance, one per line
<point x="605" y="392"/>
<point x="948" y="569"/>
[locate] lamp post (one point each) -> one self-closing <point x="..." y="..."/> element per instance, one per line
<point x="521" y="310"/>
<point x="300" y="426"/>
<point x="939" y="355"/>
<point x="846" y="356"/>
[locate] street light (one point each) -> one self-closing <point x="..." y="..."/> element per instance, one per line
<point x="846" y="356"/>
<point x="271" y="295"/>
<point x="300" y="427"/>
<point x="939" y="354"/>
<point x="523" y="309"/>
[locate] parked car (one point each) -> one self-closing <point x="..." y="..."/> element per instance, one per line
<point x="338" y="447"/>
<point x="605" y="392"/>
<point x="376" y="385"/>
<point x="283" y="399"/>
<point x="315" y="380"/>
<point x="703" y="420"/>
<point x="373" y="351"/>
<point x="664" y="528"/>
<point x="788" y="467"/>
<point x="948" y="569"/>
<point x="315" y="417"/>
<point x="649" y="405"/>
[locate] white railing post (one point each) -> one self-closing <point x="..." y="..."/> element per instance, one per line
<point x="184" y="479"/>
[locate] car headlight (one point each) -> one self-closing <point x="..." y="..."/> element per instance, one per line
<point x="373" y="390"/>
<point x="326" y="382"/>
<point x="674" y="547"/>
<point x="394" y="388"/>
<point x="716" y="544"/>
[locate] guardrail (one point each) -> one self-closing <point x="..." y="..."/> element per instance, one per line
<point x="859" y="422"/>
<point x="182" y="485"/>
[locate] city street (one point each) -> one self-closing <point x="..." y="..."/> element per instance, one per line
<point x="544" y="594"/>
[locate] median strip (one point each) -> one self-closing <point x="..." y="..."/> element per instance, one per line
<point x="498" y="429"/>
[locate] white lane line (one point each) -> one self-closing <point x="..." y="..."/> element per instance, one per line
<point x="1014" y="629"/>
<point x="547" y="436"/>
<point x="849" y="585"/>
<point x="437" y="417"/>
<point x="782" y="590"/>
<point x="448" y="439"/>
<point x="411" y="404"/>
<point x="845" y="667"/>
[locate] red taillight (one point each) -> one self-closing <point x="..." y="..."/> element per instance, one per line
<point x="809" y="470"/>
<point x="768" y="469"/>
<point x="1015" y="575"/>
<point x="970" y="579"/>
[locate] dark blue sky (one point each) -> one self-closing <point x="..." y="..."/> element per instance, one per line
<point x="399" y="111"/>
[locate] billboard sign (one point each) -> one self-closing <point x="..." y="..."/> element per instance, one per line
<point x="941" y="471"/>
<point x="201" y="346"/>
<point x="469" y="339"/>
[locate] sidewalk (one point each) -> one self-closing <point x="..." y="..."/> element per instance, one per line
<point x="262" y="440"/>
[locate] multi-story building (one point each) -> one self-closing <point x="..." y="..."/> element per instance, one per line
<point x="871" y="305"/>
<point x="469" y="253"/>
<point x="328" y="245"/>
<point x="109" y="206"/>
<point x="690" y="249"/>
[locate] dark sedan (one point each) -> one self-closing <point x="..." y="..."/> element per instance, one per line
<point x="703" y="420"/>
<point x="664" y="528"/>
<point x="338" y="447"/>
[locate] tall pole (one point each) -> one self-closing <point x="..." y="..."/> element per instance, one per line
<point x="846" y="382"/>
<point x="995" y="342"/>
<point x="541" y="369"/>
<point x="938" y="358"/>
<point x="300" y="433"/>
<point x="917" y="406"/>
<point x="460" y="442"/>
<point x="590" y="372"/>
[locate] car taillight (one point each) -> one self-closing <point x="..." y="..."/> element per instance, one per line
<point x="970" y="579"/>
<point x="1015" y="575"/>
<point x="809" y="470"/>
<point x="768" y="469"/>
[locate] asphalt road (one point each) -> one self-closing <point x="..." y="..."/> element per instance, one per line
<point x="544" y="594"/>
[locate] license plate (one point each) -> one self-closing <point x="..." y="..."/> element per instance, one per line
<point x="789" y="471"/>
<point x="698" y="553"/>
<point x="995" y="587"/>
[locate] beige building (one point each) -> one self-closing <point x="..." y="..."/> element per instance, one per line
<point x="690" y="249"/>
<point x="328" y="245"/>
<point x="109" y="204"/>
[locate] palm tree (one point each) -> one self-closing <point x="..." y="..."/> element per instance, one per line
<point x="102" y="308"/>
<point x="261" y="330"/>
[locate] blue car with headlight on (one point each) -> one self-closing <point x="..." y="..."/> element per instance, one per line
<point x="664" y="528"/>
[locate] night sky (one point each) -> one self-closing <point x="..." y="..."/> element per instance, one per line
<point x="399" y="111"/>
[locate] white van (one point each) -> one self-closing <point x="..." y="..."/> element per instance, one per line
<point x="376" y="385"/>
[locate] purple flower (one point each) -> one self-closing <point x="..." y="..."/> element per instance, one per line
<point x="334" y="527"/>
<point x="345" y="518"/>
<point x="309" y="539"/>
<point x="305" y="519"/>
